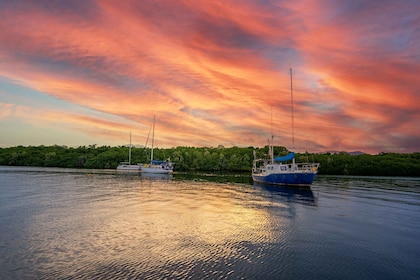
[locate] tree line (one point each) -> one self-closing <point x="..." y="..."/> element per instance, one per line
<point x="220" y="159"/>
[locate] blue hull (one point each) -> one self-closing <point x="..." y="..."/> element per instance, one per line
<point x="292" y="179"/>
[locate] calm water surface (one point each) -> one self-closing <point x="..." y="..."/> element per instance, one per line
<point x="72" y="224"/>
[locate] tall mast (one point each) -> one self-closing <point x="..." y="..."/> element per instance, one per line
<point x="293" y="119"/>
<point x="271" y="148"/>
<point x="153" y="138"/>
<point x="129" y="152"/>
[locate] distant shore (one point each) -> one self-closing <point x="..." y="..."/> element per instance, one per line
<point x="220" y="159"/>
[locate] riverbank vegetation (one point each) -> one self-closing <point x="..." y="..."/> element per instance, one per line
<point x="218" y="159"/>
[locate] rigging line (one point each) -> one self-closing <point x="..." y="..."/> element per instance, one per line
<point x="153" y="137"/>
<point x="129" y="153"/>
<point x="147" y="140"/>
<point x="272" y="135"/>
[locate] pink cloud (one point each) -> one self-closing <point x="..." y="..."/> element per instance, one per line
<point x="214" y="71"/>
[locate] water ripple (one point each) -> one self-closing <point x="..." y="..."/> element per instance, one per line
<point x="74" y="225"/>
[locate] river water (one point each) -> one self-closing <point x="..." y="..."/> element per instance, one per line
<point x="78" y="224"/>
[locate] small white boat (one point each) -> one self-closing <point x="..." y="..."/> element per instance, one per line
<point x="127" y="166"/>
<point x="157" y="166"/>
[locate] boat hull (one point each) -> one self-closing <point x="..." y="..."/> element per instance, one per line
<point x="286" y="179"/>
<point x="128" y="167"/>
<point x="156" y="170"/>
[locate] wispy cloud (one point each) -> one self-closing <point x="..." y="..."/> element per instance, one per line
<point x="214" y="72"/>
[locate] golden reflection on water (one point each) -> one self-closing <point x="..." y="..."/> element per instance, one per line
<point x="148" y="224"/>
<point x="194" y="221"/>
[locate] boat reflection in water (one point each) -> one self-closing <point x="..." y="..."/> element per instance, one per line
<point x="240" y="178"/>
<point x="156" y="176"/>
<point x="302" y="195"/>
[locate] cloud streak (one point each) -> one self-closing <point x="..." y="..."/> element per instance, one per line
<point x="214" y="72"/>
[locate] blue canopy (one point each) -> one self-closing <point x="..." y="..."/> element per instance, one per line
<point x="285" y="158"/>
<point x="157" y="161"/>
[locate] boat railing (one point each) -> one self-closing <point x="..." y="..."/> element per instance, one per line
<point x="264" y="165"/>
<point x="307" y="167"/>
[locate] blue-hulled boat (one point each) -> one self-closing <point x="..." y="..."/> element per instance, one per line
<point x="284" y="170"/>
<point x="277" y="171"/>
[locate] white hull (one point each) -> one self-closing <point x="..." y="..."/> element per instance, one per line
<point x="128" y="167"/>
<point x="156" y="170"/>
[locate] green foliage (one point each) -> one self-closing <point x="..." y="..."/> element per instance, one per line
<point x="384" y="164"/>
<point x="208" y="159"/>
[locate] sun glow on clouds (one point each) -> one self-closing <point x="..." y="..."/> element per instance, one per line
<point x="214" y="72"/>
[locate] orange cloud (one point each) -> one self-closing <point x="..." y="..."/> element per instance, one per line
<point x="215" y="72"/>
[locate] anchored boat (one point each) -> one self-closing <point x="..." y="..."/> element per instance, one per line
<point x="157" y="166"/>
<point x="127" y="166"/>
<point x="275" y="171"/>
<point x="284" y="170"/>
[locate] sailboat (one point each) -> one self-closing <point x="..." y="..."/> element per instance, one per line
<point x="127" y="166"/>
<point x="279" y="170"/>
<point x="157" y="166"/>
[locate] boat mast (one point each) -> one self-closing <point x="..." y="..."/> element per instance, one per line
<point x="153" y="139"/>
<point x="293" y="119"/>
<point x="129" y="152"/>
<point x="271" y="147"/>
<point x="291" y="100"/>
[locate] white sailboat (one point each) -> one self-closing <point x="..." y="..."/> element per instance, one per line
<point x="157" y="166"/>
<point x="127" y="166"/>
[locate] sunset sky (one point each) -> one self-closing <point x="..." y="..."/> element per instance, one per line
<point x="86" y="72"/>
